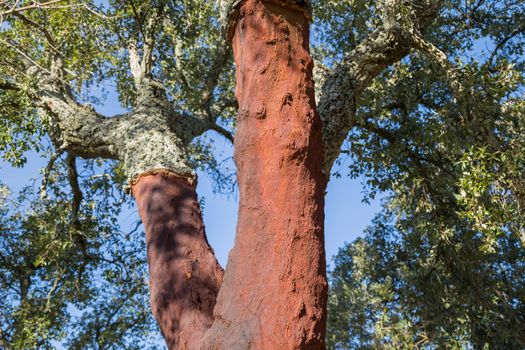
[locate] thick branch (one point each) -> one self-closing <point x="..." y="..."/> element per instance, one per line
<point x="142" y="64"/>
<point x="219" y="129"/>
<point x="134" y="62"/>
<point x="153" y="25"/>
<point x="145" y="140"/>
<point x="185" y="276"/>
<point x="78" y="129"/>
<point x="344" y="85"/>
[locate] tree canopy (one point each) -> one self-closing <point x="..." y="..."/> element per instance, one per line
<point x="441" y="133"/>
<point x="421" y="99"/>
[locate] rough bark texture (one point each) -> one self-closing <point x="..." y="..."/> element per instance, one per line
<point x="184" y="274"/>
<point x="274" y="291"/>
<point x="343" y="86"/>
<point x="152" y="137"/>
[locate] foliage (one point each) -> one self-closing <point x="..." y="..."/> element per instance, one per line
<point x="400" y="288"/>
<point x="78" y="282"/>
<point x="442" y="265"/>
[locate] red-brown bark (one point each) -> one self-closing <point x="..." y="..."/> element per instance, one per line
<point x="184" y="274"/>
<point x="274" y="291"/>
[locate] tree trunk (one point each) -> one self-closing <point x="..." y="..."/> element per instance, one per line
<point x="184" y="274"/>
<point x="274" y="291"/>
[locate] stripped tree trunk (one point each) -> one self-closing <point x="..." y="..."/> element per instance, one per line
<point x="184" y="274"/>
<point x="274" y="290"/>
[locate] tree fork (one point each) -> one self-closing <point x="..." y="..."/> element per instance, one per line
<point x="274" y="290"/>
<point x="185" y="276"/>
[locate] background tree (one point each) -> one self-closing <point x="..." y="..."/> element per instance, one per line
<point x="442" y="132"/>
<point x="388" y="82"/>
<point x="78" y="283"/>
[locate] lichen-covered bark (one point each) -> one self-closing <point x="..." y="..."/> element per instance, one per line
<point x="184" y="274"/>
<point x="150" y="138"/>
<point x="343" y="86"/>
<point x="274" y="291"/>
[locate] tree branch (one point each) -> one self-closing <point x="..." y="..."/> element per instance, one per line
<point x="344" y="85"/>
<point x="228" y="135"/>
<point x="43" y="30"/>
<point x="222" y="57"/>
<point x="134" y="62"/>
<point x="152" y="137"/>
<point x="77" y="129"/>
<point x="75" y="189"/>
<point x="6" y="10"/>
<point x="6" y="85"/>
<point x="393" y="139"/>
<point x="47" y="173"/>
<point x="439" y="57"/>
<point x="152" y="26"/>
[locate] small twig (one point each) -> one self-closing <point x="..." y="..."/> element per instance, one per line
<point x="36" y="5"/>
<point x="54" y="288"/>
<point x="99" y="14"/>
<point x="47" y="172"/>
<point x="75" y="188"/>
<point x="228" y="135"/>
<point x="502" y="43"/>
